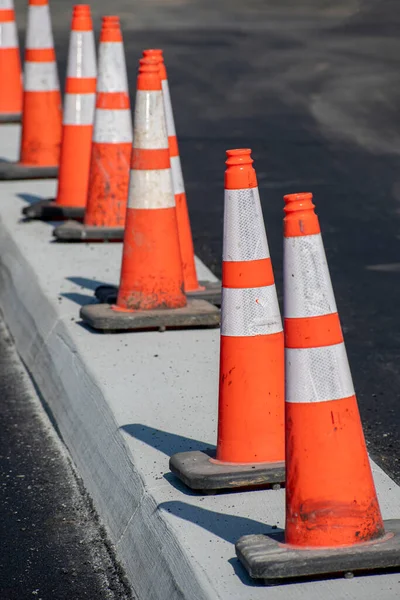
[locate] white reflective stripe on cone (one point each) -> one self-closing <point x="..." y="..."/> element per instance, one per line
<point x="81" y="55"/>
<point x="8" y="35"/>
<point x="307" y="283"/>
<point x="149" y="121"/>
<point x="244" y="230"/>
<point x="40" y="77"/>
<point x="169" y="115"/>
<point x="151" y="189"/>
<point x="6" y="5"/>
<point x="177" y="177"/>
<point x="250" y="311"/>
<point x="317" y="374"/>
<point x="112" y="126"/>
<point x="79" y="109"/>
<point x="112" y="69"/>
<point x="39" y="33"/>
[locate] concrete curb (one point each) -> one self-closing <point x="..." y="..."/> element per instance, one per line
<point x="123" y="404"/>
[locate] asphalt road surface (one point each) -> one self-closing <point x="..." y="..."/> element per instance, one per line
<point x="313" y="87"/>
<point x="52" y="544"/>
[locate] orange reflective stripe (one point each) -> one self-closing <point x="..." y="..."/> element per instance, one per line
<point x="38" y="2"/>
<point x="112" y="100"/>
<point x="40" y="55"/>
<point x="150" y="159"/>
<point x="7" y="15"/>
<point x="313" y="332"/>
<point x="80" y="85"/>
<point x="247" y="273"/>
<point x="173" y="145"/>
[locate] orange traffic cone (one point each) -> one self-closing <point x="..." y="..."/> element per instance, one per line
<point x="79" y="101"/>
<point x="111" y="148"/>
<point x="206" y="289"/>
<point x="41" y="118"/>
<point x="250" y="447"/>
<point x="10" y="66"/>
<point x="151" y="287"/>
<point x="333" y="520"/>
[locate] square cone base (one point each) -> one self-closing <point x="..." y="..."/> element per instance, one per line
<point x="14" y="170"/>
<point x="268" y="558"/>
<point x="211" y="293"/>
<point x="198" y="471"/>
<point x="72" y="231"/>
<point x="196" y="314"/>
<point x="49" y="210"/>
<point x="10" y="118"/>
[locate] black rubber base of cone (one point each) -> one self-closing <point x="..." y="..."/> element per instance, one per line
<point x="10" y="118"/>
<point x="198" y="472"/>
<point x="266" y="557"/>
<point x="49" y="210"/>
<point x="211" y="293"/>
<point x="196" y="314"/>
<point x="72" y="231"/>
<point x="13" y="170"/>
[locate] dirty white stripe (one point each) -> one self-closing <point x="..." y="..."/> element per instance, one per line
<point x="307" y="283"/>
<point x="169" y="115"/>
<point x="317" y="374"/>
<point x="112" y="126"/>
<point x="151" y="189"/>
<point x="250" y="311"/>
<point x="177" y="177"/>
<point x="39" y="33"/>
<point x="40" y="77"/>
<point x="112" y="68"/>
<point x="79" y="109"/>
<point x="81" y="55"/>
<point x="244" y="230"/>
<point x="149" y="121"/>
<point x="8" y="35"/>
<point x="6" y="5"/>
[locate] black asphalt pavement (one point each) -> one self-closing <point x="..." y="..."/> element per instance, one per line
<point x="52" y="544"/>
<point x="313" y="87"/>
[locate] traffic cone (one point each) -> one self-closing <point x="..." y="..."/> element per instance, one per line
<point x="79" y="101"/>
<point x="250" y="446"/>
<point x="207" y="290"/>
<point x="41" y="117"/>
<point x="111" y="148"/>
<point x="333" y="520"/>
<point x="151" y="287"/>
<point x="10" y="66"/>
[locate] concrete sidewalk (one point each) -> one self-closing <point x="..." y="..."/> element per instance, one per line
<point x="124" y="403"/>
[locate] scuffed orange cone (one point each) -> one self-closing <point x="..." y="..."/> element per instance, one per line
<point x="10" y="66"/>
<point x="79" y="101"/>
<point x="151" y="286"/>
<point x="333" y="520"/>
<point x="111" y="148"/>
<point x="250" y="447"/>
<point x="41" y="118"/>
<point x="207" y="290"/>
